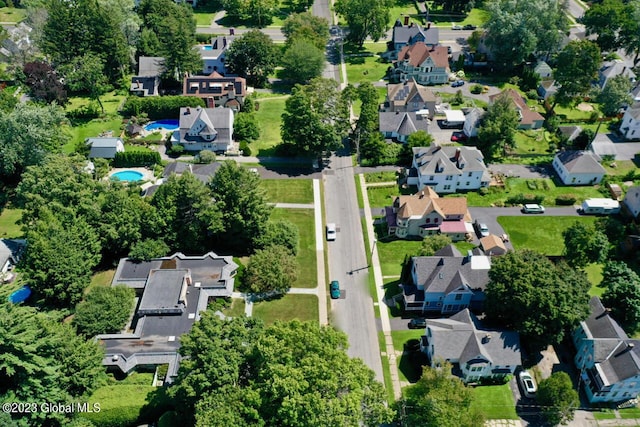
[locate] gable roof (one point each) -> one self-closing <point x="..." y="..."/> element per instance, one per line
<point x="427" y="201"/>
<point x="204" y="172"/>
<point x="216" y="122"/>
<point x="633" y="111"/>
<point x="447" y="273"/>
<point x="417" y="53"/>
<point x="542" y="68"/>
<point x="615" y="68"/>
<point x="103" y="147"/>
<point x="442" y="160"/>
<point x="528" y="115"/>
<point x="402" y="123"/>
<point x="11" y="250"/>
<point x="461" y="337"/>
<point x="218" y="45"/>
<point x="400" y="94"/>
<point x="407" y="33"/>
<point x="150" y="66"/>
<point x="580" y="162"/>
<point x="493" y="243"/>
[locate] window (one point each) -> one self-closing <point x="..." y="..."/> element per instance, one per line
<point x="449" y="177"/>
<point x="447" y="307"/>
<point x="435" y="220"/>
<point x="469" y="174"/>
<point x="458" y="297"/>
<point x="468" y="183"/>
<point x="447" y="187"/>
<point x="428" y="220"/>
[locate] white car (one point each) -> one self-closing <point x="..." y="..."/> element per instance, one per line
<point x="529" y="387"/>
<point x="331" y="232"/>
<point x="533" y="209"/>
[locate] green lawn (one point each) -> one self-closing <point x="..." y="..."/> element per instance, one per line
<point x="403" y="7"/>
<point x="236" y="309"/>
<point x="620" y="168"/>
<point x="269" y="117"/>
<point x="289" y="307"/>
<point x="531" y="142"/>
<point x="410" y="363"/>
<point x="392" y="254"/>
<point x="569" y="114"/>
<point x="12" y="14"/>
<point x="380" y="177"/>
<point x="547" y="237"/>
<point x="400" y="338"/>
<point x="594" y="274"/>
<point x="9" y="228"/>
<point x="475" y="17"/>
<point x="288" y="190"/>
<point x="102" y="278"/>
<point x="304" y="219"/>
<point x="110" y="101"/>
<point x="495" y="401"/>
<point x="91" y="129"/>
<point x="383" y="196"/>
<point x="203" y="19"/>
<point x="365" y="68"/>
<point x="545" y="187"/>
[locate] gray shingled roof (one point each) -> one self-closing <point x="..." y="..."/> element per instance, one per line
<point x="203" y="172"/>
<point x="634" y="111"/>
<point x="405" y="34"/>
<point x="216" y="120"/>
<point x="445" y="273"/>
<point x="441" y="160"/>
<point x="402" y="123"/>
<point x="162" y="292"/>
<point x="580" y="162"/>
<point x="102" y="147"/>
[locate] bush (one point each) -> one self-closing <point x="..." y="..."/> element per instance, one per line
<point x="244" y="147"/>
<point x="104" y="311"/>
<point x="203" y="38"/>
<point x="206" y="157"/>
<point x="175" y="150"/>
<point x="532" y="94"/>
<point x="566" y="199"/>
<point x="476" y="89"/>
<point x="483" y="191"/>
<point x="129" y="159"/>
<point x="522" y="199"/>
<point x="85" y="112"/>
<point x="159" y="107"/>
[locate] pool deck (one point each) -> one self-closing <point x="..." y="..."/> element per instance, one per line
<point x="147" y="174"/>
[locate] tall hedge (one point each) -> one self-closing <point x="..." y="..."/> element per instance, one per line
<point x="130" y="159"/>
<point x="159" y="107"/>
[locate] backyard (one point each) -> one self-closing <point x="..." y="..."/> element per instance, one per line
<point x="304" y="219"/>
<point x="269" y="117"/>
<point x="547" y="238"/>
<point x="289" y="307"/>
<point x="9" y="227"/>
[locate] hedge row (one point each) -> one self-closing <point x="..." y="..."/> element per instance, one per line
<point x="159" y="107"/>
<point x="130" y="159"/>
<point x="522" y="199"/>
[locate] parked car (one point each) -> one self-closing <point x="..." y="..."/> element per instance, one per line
<point x="458" y="136"/>
<point x="417" y="323"/>
<point x="469" y="27"/>
<point x="456" y="27"/>
<point x="528" y="385"/>
<point x="457" y="83"/>
<point x="481" y="228"/>
<point x="533" y="209"/>
<point x="331" y="232"/>
<point x="335" y="289"/>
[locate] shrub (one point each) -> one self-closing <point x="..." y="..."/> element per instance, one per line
<point x="545" y="185"/>
<point x="532" y="94"/>
<point x="206" y="157"/>
<point x="566" y="199"/>
<point x="483" y="191"/>
<point x="159" y="107"/>
<point x="136" y="158"/>
<point x="244" y="147"/>
<point x="476" y="89"/>
<point x="522" y="199"/>
<point x="533" y="185"/>
<point x="175" y="150"/>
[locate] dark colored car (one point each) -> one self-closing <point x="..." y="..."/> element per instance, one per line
<point x="417" y="323"/>
<point x="457" y="83"/>
<point x="469" y="27"/>
<point x="458" y="137"/>
<point x="335" y="289"/>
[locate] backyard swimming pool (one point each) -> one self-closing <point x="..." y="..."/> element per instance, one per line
<point x="20" y="295"/>
<point x="168" y="124"/>
<point x="129" y="176"/>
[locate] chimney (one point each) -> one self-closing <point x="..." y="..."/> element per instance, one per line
<point x="428" y="25"/>
<point x="406" y="19"/>
<point x="411" y="25"/>
<point x="421" y="194"/>
<point x="457" y="155"/>
<point x="188" y="111"/>
<point x="224" y="42"/>
<point x="486" y="338"/>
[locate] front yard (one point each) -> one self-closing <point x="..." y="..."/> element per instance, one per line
<point x="269" y="116"/>
<point x="288" y="190"/>
<point x="304" y="219"/>
<point x="365" y="65"/>
<point x="540" y="233"/>
<point x="495" y="402"/>
<point x="289" y="307"/>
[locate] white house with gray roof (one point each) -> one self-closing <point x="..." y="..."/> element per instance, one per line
<point x="476" y="352"/>
<point x="630" y="125"/>
<point x="578" y="167"/>
<point x="104" y="147"/>
<point x="213" y="54"/>
<point x="147" y="81"/>
<point x="205" y="129"/>
<point x="410" y="34"/>
<point x="608" y="360"/>
<point x="448" y="169"/>
<point x="446" y="282"/>
<point x="399" y="125"/>
<point x="172" y="291"/>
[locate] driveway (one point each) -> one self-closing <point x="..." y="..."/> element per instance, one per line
<point x="611" y="144"/>
<point x="521" y="171"/>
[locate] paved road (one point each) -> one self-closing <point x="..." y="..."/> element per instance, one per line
<point x="353" y="312"/>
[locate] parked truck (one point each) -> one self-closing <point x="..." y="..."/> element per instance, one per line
<point x="600" y="207"/>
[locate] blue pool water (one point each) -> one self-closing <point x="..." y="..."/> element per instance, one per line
<point x="20" y="295"/>
<point x="207" y="47"/>
<point x="168" y="124"/>
<point x="127" y="176"/>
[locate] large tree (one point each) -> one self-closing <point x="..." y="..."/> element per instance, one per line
<point x="364" y="18"/>
<point x="44" y="82"/>
<point x="616" y="24"/>
<point x="273" y="269"/>
<point x="497" y="131"/>
<point x="516" y="29"/>
<point x="316" y="118"/>
<point x="365" y="135"/>
<point x="577" y="67"/>
<point x="306" y="26"/>
<point x="615" y="95"/>
<point x="86" y="74"/>
<point x="554" y="297"/>
<point x="257" y="12"/>
<point x="242" y="201"/>
<point x="584" y="243"/>
<point x="439" y="399"/>
<point x="302" y="61"/>
<point x="238" y="372"/>
<point x="558" y="398"/>
<point x="105" y="310"/>
<point x="281" y="233"/>
<point x="28" y="134"/>
<point x="253" y="56"/>
<point x="622" y="294"/>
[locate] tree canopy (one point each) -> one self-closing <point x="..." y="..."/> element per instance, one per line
<point x="253" y="56"/>
<point x="497" y="131"/>
<point x="239" y="372"/>
<point x="622" y="294"/>
<point x="615" y="24"/>
<point x="615" y="95"/>
<point x="105" y="310"/>
<point x="577" y="67"/>
<point x="432" y="244"/>
<point x="273" y="269"/>
<point x="44" y="83"/>
<point x="555" y="298"/>
<point x="306" y="26"/>
<point x="364" y="18"/>
<point x="302" y="61"/>
<point x="558" y="398"/>
<point x="584" y="243"/>
<point x="256" y="12"/>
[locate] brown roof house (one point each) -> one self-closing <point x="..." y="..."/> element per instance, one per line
<point x="205" y="129"/>
<point x="493" y="245"/>
<point x="529" y="119"/>
<point x="426" y="214"/>
<point x="216" y="90"/>
<point x="409" y="97"/>
<point x="426" y="65"/>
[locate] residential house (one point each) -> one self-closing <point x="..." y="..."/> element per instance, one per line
<point x="10" y="253"/>
<point x="630" y="125"/>
<point x="635" y="93"/>
<point x="427" y="65"/>
<point x="104" y="148"/>
<point x="172" y="291"/>
<point x="613" y="69"/>
<point x="578" y="167"/>
<point x="608" y="360"/>
<point x="426" y="214"/>
<point x="529" y="119"/>
<point x="472" y="122"/>
<point x="448" y="169"/>
<point x="446" y="282"/>
<point x="543" y="70"/>
<point x="205" y="129"/>
<point x="409" y="97"/>
<point x="17" y="46"/>
<point x="547" y="89"/>
<point x="632" y="200"/>
<point x="569" y="133"/>
<point x="147" y="81"/>
<point x="398" y="126"/>
<point x="408" y="34"/>
<point x="477" y="353"/>
<point x="493" y="245"/>
<point x="213" y="55"/>
<point x="204" y="172"/>
<point x="216" y="90"/>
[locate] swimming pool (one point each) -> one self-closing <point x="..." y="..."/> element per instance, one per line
<point x="20" y="295"/>
<point x="129" y="176"/>
<point x="168" y="124"/>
